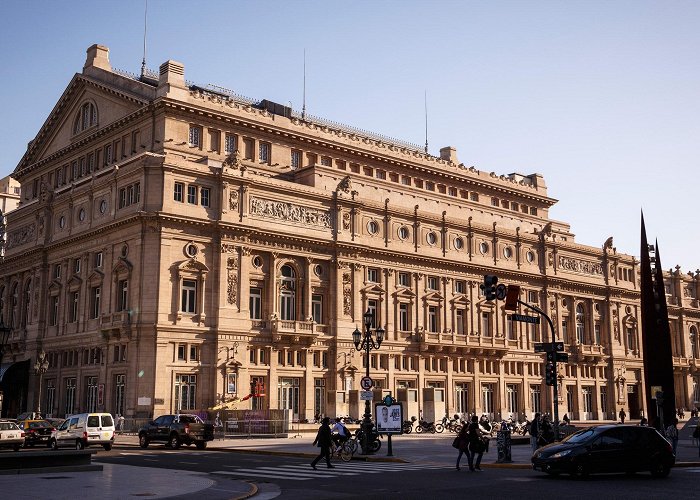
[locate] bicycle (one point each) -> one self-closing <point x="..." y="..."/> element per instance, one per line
<point x="344" y="451"/>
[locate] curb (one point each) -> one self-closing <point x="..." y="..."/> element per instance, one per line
<point x="251" y="493"/>
<point x="47" y="470"/>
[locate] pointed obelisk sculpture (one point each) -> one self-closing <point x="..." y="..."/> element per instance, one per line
<point x="656" y="340"/>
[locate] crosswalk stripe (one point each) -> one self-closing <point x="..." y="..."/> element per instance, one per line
<point x="270" y="476"/>
<point x="322" y="470"/>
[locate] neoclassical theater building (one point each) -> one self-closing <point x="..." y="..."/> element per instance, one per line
<point x="177" y="243"/>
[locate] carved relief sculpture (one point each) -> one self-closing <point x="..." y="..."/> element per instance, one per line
<point x="347" y="294"/>
<point x="233" y="200"/>
<point x="232" y="288"/>
<point x="346" y="221"/>
<point x="290" y="212"/>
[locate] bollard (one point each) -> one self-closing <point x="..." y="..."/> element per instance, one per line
<point x="503" y="445"/>
<point x="389" y="452"/>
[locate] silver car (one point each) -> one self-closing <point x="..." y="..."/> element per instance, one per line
<point x="11" y="436"/>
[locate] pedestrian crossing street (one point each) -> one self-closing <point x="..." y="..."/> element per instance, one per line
<point x="304" y="472"/>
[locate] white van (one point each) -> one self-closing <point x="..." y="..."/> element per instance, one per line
<point x="84" y="429"/>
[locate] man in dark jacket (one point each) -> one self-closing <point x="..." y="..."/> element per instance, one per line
<point x="534" y="431"/>
<point x="324" y="441"/>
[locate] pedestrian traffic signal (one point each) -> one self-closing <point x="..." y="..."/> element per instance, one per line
<point x="489" y="286"/>
<point x="550" y="373"/>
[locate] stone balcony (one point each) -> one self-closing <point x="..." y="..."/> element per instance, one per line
<point x="586" y="352"/>
<point x="475" y="345"/>
<point x="117" y="324"/>
<point x="295" y="332"/>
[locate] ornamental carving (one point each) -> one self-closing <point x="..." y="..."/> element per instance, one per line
<point x="232" y="288"/>
<point x="21" y="236"/>
<point x="290" y="212"/>
<point x="347" y="294"/>
<point x="580" y="266"/>
<point x="233" y="160"/>
<point x="346" y="221"/>
<point x="226" y="248"/>
<point x="233" y="200"/>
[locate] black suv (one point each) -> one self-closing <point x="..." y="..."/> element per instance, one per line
<point x="607" y="448"/>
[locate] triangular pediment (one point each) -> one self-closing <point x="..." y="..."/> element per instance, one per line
<point x="122" y="266"/>
<point x="111" y="104"/>
<point x="434" y="296"/>
<point x="373" y="288"/>
<point x="54" y="286"/>
<point x="75" y="281"/>
<point x="193" y="266"/>
<point x="404" y="293"/>
<point x="460" y="300"/>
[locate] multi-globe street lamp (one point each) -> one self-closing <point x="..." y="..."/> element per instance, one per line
<point x="40" y="367"/>
<point x="365" y="342"/>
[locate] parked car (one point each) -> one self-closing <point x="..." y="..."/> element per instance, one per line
<point x="607" y="448"/>
<point x="174" y="430"/>
<point x="11" y="436"/>
<point x="36" y="432"/>
<point x="84" y="429"/>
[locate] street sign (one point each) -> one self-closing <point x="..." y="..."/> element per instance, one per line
<point x="366" y="383"/>
<point x="558" y="346"/>
<point x="501" y="291"/>
<point x="562" y="356"/>
<point x="366" y="396"/>
<point x="512" y="295"/>
<point x="527" y="319"/>
<point x="540" y="347"/>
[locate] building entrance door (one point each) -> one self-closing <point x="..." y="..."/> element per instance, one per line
<point x="289" y="396"/>
<point x="633" y="401"/>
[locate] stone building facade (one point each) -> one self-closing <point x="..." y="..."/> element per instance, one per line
<point x="177" y="244"/>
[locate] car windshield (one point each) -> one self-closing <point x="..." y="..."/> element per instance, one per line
<point x="39" y="425"/>
<point x="580" y="436"/>
<point x="188" y="419"/>
<point x="7" y="426"/>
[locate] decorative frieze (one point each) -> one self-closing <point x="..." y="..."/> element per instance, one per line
<point x="347" y="294"/>
<point x="21" y="236"/>
<point x="580" y="266"/>
<point x="232" y="287"/>
<point x="290" y="212"/>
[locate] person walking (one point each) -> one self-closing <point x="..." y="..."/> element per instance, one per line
<point x="672" y="434"/>
<point x="622" y="415"/>
<point x="535" y="431"/>
<point x="324" y="441"/>
<point x="476" y="445"/>
<point x="463" y="444"/>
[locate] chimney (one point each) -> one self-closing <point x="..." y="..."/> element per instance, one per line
<point x="97" y="57"/>
<point x="172" y="74"/>
<point x="449" y="153"/>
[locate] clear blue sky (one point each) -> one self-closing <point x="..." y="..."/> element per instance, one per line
<point x="601" y="97"/>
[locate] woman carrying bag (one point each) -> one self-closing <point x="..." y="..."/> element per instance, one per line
<point x="462" y="444"/>
<point x="476" y="445"/>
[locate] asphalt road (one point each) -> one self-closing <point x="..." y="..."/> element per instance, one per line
<point x="293" y="478"/>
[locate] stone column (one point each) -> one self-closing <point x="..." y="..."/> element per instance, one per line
<point x="244" y="295"/>
<point x="357" y="299"/>
<point x="389" y="306"/>
<point x="308" y="411"/>
<point x="307" y="289"/>
<point x="477" y="387"/>
<point x="272" y="382"/>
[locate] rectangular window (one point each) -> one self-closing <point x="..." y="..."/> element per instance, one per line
<point x="122" y="197"/>
<point x="373" y="275"/>
<point x="76" y="266"/>
<point x="230" y="144"/>
<point x="98" y="260"/>
<point x="122" y="295"/>
<point x="460" y="286"/>
<point x="108" y="154"/>
<point x="178" y="192"/>
<point x="181" y="352"/>
<point x="404" y="315"/>
<point x="432" y="283"/>
<point x="596" y="333"/>
<point x="95" y="302"/>
<point x="119" y="394"/>
<point x="381" y="174"/>
<point x="204" y="197"/>
<point x="57" y="272"/>
<point x="405" y="180"/>
<point x="191" y="194"/>
<point x="264" y="152"/>
<point x="459" y="321"/>
<point x="194" y="353"/>
<point x="255" y="303"/>
<point x="474" y="196"/>
<point x="564" y="332"/>
<point x="532" y="297"/>
<point x="494" y="202"/>
<point x="404" y="279"/>
<point x="195" y="136"/>
<point x="73" y="311"/>
<point x="295" y="159"/>
<point x="91" y="162"/>
<point x="317" y="308"/>
<point x="91" y="393"/>
<point x="69" y="407"/>
<point x="325" y="161"/>
<point x="53" y="310"/>
<point x="373" y="309"/>
<point x="604" y="401"/>
<point x="452" y="191"/>
<point x="485" y="324"/>
<point x="189" y="296"/>
<point x="432" y="319"/>
<point x="253" y="356"/>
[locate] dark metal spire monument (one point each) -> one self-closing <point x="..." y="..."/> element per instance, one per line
<point x="656" y="339"/>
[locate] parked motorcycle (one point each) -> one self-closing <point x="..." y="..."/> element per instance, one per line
<point x="407" y="426"/>
<point x="424" y="426"/>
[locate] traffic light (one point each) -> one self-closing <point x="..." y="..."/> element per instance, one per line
<point x="550" y="373"/>
<point x="489" y="286"/>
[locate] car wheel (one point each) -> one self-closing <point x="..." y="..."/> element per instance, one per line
<point x="143" y="441"/>
<point x="16" y="447"/>
<point x="107" y="446"/>
<point x="658" y="469"/>
<point x="79" y="445"/>
<point x="174" y="442"/>
<point x="53" y="444"/>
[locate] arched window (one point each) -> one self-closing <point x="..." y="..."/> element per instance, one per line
<point x="580" y="324"/>
<point x="26" y="303"/>
<point x="288" y="294"/>
<point x="86" y="117"/>
<point x="694" y="342"/>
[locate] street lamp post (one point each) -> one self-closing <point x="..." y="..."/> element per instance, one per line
<point x="40" y="367"/>
<point x="365" y="342"/>
<point x="4" y="337"/>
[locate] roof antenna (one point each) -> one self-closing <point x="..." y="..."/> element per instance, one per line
<point x="145" y="18"/>
<point x="303" y="107"/>
<point x="426" y="120"/>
